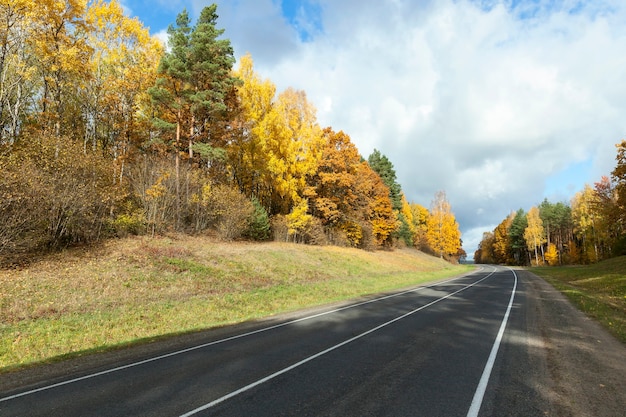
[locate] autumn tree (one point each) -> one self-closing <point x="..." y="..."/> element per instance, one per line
<point x="124" y="66"/>
<point x="585" y="220"/>
<point x="385" y="169"/>
<point x="292" y="145"/>
<point x="17" y="66"/>
<point x="407" y="229"/>
<point x="420" y="216"/>
<point x="501" y="242"/>
<point x="557" y="223"/>
<point x="246" y="152"/>
<point x="348" y="196"/>
<point x="552" y="255"/>
<point x="332" y="188"/>
<point x="443" y="235"/>
<point x="375" y="207"/>
<point x="63" y="55"/>
<point x="606" y="206"/>
<point x="484" y="254"/>
<point x="619" y="178"/>
<point x="534" y="233"/>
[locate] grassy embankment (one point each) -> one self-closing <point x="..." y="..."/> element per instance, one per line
<point x="598" y="290"/>
<point x="134" y="290"/>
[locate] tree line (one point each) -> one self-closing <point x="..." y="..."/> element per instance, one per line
<point x="588" y="229"/>
<point x="104" y="132"/>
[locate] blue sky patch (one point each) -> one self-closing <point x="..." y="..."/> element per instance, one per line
<point x="569" y="180"/>
<point x="305" y="16"/>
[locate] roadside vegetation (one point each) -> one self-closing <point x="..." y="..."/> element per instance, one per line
<point x="109" y="141"/>
<point x="105" y="133"/>
<point x="136" y="289"/>
<point x="588" y="229"/>
<point x="599" y="290"/>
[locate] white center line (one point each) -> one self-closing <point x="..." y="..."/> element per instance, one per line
<point x="204" y="345"/>
<point x="330" y="349"/>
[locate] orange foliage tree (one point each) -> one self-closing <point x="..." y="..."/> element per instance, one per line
<point x="347" y="195"/>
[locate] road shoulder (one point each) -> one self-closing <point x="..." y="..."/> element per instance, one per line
<point x="586" y="365"/>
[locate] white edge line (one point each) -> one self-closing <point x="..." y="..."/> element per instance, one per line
<point x="330" y="349"/>
<point x="228" y="339"/>
<point x="477" y="401"/>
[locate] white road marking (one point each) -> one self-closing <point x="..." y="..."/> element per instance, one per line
<point x="477" y="401"/>
<point x="330" y="349"/>
<point x="215" y="342"/>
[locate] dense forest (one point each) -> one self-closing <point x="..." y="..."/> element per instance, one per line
<point x="592" y="227"/>
<point x="104" y="132"/>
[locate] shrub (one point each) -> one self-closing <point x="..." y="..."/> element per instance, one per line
<point x="280" y="229"/>
<point x="228" y="209"/>
<point x="125" y="224"/>
<point x="259" y="222"/>
<point x="54" y="194"/>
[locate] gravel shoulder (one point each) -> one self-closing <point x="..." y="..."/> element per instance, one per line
<point x="586" y="365"/>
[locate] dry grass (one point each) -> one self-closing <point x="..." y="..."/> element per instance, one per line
<point x="138" y="288"/>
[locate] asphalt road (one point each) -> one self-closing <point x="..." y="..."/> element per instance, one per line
<point x="474" y="345"/>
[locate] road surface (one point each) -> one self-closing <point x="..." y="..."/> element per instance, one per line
<point x="496" y="342"/>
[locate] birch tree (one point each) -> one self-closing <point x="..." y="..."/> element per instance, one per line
<point x="444" y="236"/>
<point x="534" y="233"/>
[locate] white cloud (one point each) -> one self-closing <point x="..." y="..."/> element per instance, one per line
<point x="470" y="97"/>
<point x="163" y="37"/>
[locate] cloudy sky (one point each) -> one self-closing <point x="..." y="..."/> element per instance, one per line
<point x="500" y="103"/>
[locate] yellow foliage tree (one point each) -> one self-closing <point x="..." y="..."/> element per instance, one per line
<point x="123" y="65"/>
<point x="279" y="145"/>
<point x="17" y="65"/>
<point x="420" y="217"/>
<point x="444" y="236"/>
<point x="534" y="233"/>
<point x="502" y="251"/>
<point x="586" y="222"/>
<point x="292" y="144"/>
<point x="59" y="40"/>
<point x="299" y="220"/>
<point x="552" y="255"/>
<point x="246" y="154"/>
<point x="377" y="207"/>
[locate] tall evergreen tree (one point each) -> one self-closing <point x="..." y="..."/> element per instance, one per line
<point x="516" y="236"/>
<point x="194" y="79"/>
<point x="384" y="168"/>
<point x="211" y="61"/>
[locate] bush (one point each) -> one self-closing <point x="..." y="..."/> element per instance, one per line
<point x="228" y="209"/>
<point x="259" y="222"/>
<point x="54" y="194"/>
<point x="153" y="185"/>
<point x="129" y="224"/>
<point x="280" y="229"/>
<point x="22" y="212"/>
